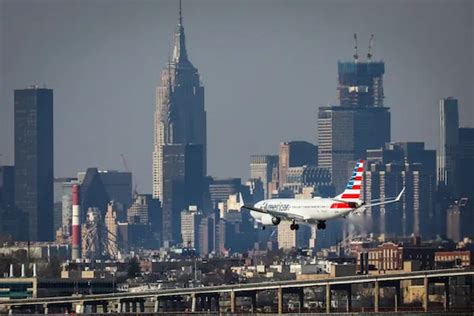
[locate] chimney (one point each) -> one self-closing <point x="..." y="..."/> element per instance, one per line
<point x="76" y="223"/>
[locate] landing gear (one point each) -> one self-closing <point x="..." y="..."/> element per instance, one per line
<point x="294" y="226"/>
<point x="321" y="225"/>
<point x="263" y="227"/>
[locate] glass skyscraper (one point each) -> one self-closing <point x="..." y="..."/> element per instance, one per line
<point x="34" y="160"/>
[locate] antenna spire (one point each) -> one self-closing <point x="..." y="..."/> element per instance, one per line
<point x="180" y="14"/>
<point x="356" y="56"/>
<point x="180" y="54"/>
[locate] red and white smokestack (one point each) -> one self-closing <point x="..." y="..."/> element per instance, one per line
<point x="76" y="223"/>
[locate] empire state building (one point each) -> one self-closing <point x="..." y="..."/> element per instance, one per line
<point x="179" y="155"/>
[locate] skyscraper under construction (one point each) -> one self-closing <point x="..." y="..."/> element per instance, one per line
<point x="179" y="155"/>
<point x="359" y="122"/>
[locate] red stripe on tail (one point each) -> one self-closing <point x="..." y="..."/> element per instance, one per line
<point x="350" y="196"/>
<point x="340" y="205"/>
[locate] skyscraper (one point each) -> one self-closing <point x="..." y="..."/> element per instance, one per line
<point x="7" y="185"/>
<point x="221" y="189"/>
<point x="298" y="178"/>
<point x="182" y="186"/>
<point x="92" y="192"/>
<point x="34" y="160"/>
<point x="359" y="122"/>
<point x="465" y="163"/>
<point x="448" y="142"/>
<point x="190" y="221"/>
<point x="261" y="167"/>
<point x="287" y="238"/>
<point x="12" y="220"/>
<point x="459" y="217"/>
<point x="58" y="216"/>
<point x="295" y="154"/>
<point x="144" y="210"/>
<point x="389" y="169"/>
<point x="180" y="119"/>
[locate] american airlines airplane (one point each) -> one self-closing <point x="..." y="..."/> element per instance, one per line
<point x="316" y="210"/>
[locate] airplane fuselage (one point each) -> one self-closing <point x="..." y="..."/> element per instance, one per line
<point x="316" y="210"/>
<point x="310" y="210"/>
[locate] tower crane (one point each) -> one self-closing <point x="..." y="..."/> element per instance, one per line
<point x="125" y="165"/>
<point x="369" y="52"/>
<point x="356" y="56"/>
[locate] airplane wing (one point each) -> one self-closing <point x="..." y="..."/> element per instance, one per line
<point x="372" y="202"/>
<point x="283" y="215"/>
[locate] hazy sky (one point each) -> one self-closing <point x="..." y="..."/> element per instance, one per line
<point x="266" y="66"/>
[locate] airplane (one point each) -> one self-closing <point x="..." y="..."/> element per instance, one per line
<point x="316" y="210"/>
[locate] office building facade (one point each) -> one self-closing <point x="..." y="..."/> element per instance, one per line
<point x="465" y="163"/>
<point x="221" y="189"/>
<point x="12" y="219"/>
<point x="145" y="210"/>
<point x="7" y="185"/>
<point x="262" y="167"/>
<point x="448" y="142"/>
<point x="34" y="160"/>
<point x="388" y="171"/>
<point x="295" y="154"/>
<point x="182" y="186"/>
<point x="190" y="221"/>
<point x="302" y="177"/>
<point x="459" y="218"/>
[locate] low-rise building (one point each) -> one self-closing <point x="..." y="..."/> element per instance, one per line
<point x="457" y="258"/>
<point x="391" y="256"/>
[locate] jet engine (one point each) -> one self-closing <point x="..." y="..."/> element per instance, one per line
<point x="268" y="219"/>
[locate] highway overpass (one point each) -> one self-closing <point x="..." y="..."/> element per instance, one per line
<point x="208" y="298"/>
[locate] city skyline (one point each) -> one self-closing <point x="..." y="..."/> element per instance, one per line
<point x="230" y="106"/>
<point x="129" y="130"/>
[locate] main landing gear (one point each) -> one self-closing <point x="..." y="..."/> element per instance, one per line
<point x="321" y="225"/>
<point x="294" y="226"/>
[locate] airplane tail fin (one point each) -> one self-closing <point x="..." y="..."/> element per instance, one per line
<point x="352" y="191"/>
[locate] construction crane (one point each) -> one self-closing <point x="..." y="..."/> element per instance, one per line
<point x="369" y="52"/>
<point x="356" y="56"/>
<point x="125" y="165"/>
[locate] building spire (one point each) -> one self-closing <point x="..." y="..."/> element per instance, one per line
<point x="180" y="55"/>
<point x="180" y="14"/>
